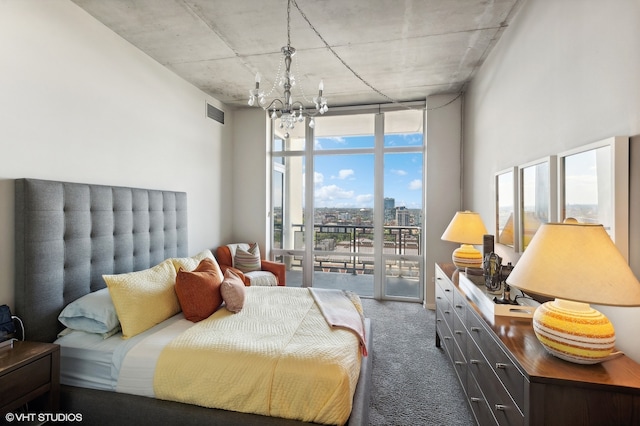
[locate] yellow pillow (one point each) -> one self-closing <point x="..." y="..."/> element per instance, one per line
<point x="144" y="298"/>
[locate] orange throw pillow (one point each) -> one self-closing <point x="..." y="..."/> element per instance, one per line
<point x="199" y="290"/>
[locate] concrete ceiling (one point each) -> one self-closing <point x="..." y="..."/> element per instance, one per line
<point x="406" y="49"/>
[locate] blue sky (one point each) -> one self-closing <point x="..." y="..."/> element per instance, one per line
<point x="347" y="180"/>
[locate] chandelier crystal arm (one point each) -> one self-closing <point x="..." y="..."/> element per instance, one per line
<point x="286" y="107"/>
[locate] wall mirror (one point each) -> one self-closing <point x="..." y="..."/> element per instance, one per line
<point x="594" y="187"/>
<point x="506" y="221"/>
<point x="537" y="197"/>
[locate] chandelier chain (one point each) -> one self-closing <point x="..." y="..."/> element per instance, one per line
<point x="300" y="89"/>
<point x="277" y="79"/>
<point x="355" y="73"/>
<point x="289" y="23"/>
<point x="358" y="76"/>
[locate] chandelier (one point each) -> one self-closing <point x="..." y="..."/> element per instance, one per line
<point x="288" y="110"/>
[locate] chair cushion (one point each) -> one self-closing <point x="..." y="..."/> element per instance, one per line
<point x="261" y="278"/>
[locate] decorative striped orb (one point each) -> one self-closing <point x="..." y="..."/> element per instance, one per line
<point x="467" y="256"/>
<point x="574" y="331"/>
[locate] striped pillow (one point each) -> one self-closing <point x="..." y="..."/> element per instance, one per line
<point x="247" y="260"/>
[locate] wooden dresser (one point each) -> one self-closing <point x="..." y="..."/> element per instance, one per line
<point x="510" y="379"/>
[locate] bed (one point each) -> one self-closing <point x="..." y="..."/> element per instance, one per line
<point x="67" y="236"/>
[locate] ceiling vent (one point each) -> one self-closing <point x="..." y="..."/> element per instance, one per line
<point x="215" y="114"/>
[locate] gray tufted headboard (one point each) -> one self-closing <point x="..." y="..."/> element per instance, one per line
<point x="67" y="235"/>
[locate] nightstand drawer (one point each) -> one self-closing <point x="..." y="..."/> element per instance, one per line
<point x="25" y="380"/>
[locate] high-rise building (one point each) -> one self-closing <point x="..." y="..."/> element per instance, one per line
<point x="389" y="209"/>
<point x="403" y="216"/>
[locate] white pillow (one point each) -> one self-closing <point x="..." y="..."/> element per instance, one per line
<point x="93" y="313"/>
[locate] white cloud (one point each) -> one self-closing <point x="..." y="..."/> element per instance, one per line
<point x="364" y="199"/>
<point x="318" y="178"/>
<point x="398" y="172"/>
<point x="332" y="192"/>
<point x="415" y="184"/>
<point x="345" y="173"/>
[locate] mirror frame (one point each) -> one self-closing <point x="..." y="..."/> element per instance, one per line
<point x="550" y="197"/>
<point x="509" y="187"/>
<point x="619" y="181"/>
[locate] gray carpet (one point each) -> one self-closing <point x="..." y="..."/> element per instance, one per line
<point x="413" y="381"/>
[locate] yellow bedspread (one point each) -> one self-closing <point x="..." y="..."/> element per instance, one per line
<point x="277" y="357"/>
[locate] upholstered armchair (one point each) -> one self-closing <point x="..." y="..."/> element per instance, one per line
<point x="244" y="259"/>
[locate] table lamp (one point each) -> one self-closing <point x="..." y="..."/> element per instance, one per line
<point x="466" y="228"/>
<point x="576" y="264"/>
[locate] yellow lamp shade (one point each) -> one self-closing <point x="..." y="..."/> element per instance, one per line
<point x="466" y="228"/>
<point x="574" y="331"/>
<point x="577" y="264"/>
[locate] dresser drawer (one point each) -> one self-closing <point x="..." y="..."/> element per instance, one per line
<point x="442" y="328"/>
<point x="445" y="284"/>
<point x="449" y="344"/>
<point x="460" y="305"/>
<point x="446" y="313"/>
<point x="459" y="331"/>
<point x="510" y="376"/>
<point x="24" y="380"/>
<point x="504" y="409"/>
<point x="460" y="363"/>
<point x="478" y="403"/>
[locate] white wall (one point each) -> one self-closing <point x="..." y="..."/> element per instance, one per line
<point x="80" y="104"/>
<point x="565" y="73"/>
<point x="251" y="175"/>
<point x="443" y="182"/>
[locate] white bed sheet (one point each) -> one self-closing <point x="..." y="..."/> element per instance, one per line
<point x="89" y="361"/>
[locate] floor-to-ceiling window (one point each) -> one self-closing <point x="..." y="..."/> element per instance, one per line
<point x="347" y="202"/>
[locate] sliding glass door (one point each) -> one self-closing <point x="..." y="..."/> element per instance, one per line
<point x="361" y="176"/>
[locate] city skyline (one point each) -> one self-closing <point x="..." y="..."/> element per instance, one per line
<point x="347" y="180"/>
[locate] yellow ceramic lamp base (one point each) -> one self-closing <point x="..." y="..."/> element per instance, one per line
<point x="467" y="256"/>
<point x="574" y="331"/>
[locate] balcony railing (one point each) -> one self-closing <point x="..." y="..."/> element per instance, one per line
<point x="351" y="247"/>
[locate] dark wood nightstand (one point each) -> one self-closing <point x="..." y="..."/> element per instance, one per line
<point x="28" y="371"/>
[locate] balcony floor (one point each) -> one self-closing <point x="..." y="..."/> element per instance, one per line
<point x="358" y="283"/>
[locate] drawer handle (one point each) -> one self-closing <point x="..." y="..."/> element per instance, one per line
<point x="447" y="312"/>
<point x="475" y="329"/>
<point x="438" y="278"/>
<point x="459" y="363"/>
<point x="501" y="407"/>
<point x="459" y="306"/>
<point x="447" y="289"/>
<point x="447" y="337"/>
<point x="475" y="361"/>
<point x="501" y="365"/>
<point x="439" y="320"/>
<point x="457" y="332"/>
<point x="438" y="297"/>
<point x="474" y="399"/>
